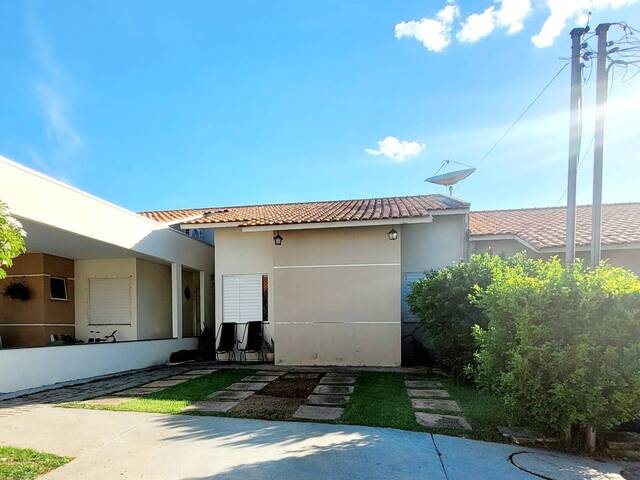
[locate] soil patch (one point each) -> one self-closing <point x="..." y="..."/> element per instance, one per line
<point x="280" y="399"/>
<point x="293" y="385"/>
<point x="267" y="407"/>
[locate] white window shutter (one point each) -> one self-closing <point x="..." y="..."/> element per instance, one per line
<point x="241" y="298"/>
<point x="110" y="301"/>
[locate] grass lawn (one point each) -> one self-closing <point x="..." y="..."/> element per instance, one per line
<point x="174" y="399"/>
<point x="381" y="400"/>
<point x="25" y="464"/>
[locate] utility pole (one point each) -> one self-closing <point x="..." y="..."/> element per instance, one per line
<point x="575" y="134"/>
<point x="598" y="149"/>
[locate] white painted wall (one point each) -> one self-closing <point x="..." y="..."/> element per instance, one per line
<point x="101" y="268"/>
<point x="25" y="368"/>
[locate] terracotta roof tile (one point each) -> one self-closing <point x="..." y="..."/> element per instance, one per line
<point x="545" y="227"/>
<point x="312" y="212"/>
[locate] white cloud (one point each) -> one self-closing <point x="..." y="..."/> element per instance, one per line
<point x="397" y="150"/>
<point x="477" y="26"/>
<point x="564" y="11"/>
<point x="58" y="126"/>
<point x="434" y="33"/>
<point x="52" y="89"/>
<point x="510" y="14"/>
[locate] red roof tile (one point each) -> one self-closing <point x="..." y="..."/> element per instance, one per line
<point x="545" y="227"/>
<point x="313" y="212"/>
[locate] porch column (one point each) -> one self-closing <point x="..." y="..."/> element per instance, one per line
<point x="203" y="292"/>
<point x="176" y="299"/>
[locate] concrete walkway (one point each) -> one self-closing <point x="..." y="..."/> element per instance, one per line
<point x="126" y="445"/>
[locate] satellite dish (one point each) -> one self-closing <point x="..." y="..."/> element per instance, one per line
<point x="449" y="179"/>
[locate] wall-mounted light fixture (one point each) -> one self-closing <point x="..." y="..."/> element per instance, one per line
<point x="277" y="239"/>
<point x="393" y="235"/>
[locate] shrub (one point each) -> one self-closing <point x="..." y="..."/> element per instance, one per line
<point x="442" y="302"/>
<point x="562" y="345"/>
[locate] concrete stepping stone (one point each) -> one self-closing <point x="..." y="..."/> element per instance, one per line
<point x="201" y="371"/>
<point x="252" y="386"/>
<point x="333" y="389"/>
<point x="422" y="384"/>
<point x="431" y="404"/>
<point x="338" y="374"/>
<point x="162" y="383"/>
<point x="428" y="393"/>
<point x="260" y="378"/>
<point x="312" y="412"/>
<point x="328" y="400"/>
<point x="434" y="420"/>
<point x="226" y="395"/>
<point x="210" y="406"/>
<point x="337" y="381"/>
<point x="271" y="372"/>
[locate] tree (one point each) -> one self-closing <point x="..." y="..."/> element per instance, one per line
<point x="11" y="239"/>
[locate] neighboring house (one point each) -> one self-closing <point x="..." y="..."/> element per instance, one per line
<point x="94" y="267"/>
<point x="541" y="232"/>
<point x="328" y="279"/>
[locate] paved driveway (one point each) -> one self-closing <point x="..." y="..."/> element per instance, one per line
<point x="108" y="445"/>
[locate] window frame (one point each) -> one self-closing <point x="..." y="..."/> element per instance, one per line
<point x="64" y="287"/>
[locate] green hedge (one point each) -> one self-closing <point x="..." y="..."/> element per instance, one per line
<point x="442" y="302"/>
<point x="562" y="345"/>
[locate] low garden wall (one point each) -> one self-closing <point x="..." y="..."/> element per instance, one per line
<point x="30" y="368"/>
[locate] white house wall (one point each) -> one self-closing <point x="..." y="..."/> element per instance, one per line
<point x="42" y="200"/>
<point x="27" y="368"/>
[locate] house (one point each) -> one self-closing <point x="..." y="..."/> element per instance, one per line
<point x="92" y="268"/>
<point x="541" y="232"/>
<point x="328" y="279"/>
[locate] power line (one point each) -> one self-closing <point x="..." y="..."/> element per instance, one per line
<point x="524" y="112"/>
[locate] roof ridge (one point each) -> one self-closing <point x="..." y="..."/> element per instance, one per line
<point x="428" y="195"/>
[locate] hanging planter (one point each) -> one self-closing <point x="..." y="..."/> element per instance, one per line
<point x="18" y="291"/>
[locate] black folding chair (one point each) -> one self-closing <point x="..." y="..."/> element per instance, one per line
<point x="254" y="340"/>
<point x="227" y="340"/>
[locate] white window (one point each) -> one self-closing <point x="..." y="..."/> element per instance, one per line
<point x="243" y="298"/>
<point x="409" y="279"/>
<point x="110" y="301"/>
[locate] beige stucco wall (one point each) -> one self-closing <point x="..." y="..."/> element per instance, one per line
<point x="627" y="258"/>
<point x="337" y="297"/>
<point x="112" y="267"/>
<point x="428" y="246"/>
<point x="238" y="253"/>
<point x="153" y="287"/>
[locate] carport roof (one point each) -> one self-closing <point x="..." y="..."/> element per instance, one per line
<point x="369" y="209"/>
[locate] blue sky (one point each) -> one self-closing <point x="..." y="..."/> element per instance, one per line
<point x="156" y="105"/>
